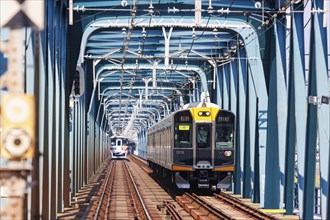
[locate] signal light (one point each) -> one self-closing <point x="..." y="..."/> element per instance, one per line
<point x="78" y="82"/>
<point x="18" y="124"/>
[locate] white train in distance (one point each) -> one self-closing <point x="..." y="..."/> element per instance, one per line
<point x="119" y="147"/>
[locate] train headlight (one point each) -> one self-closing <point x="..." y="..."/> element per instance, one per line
<point x="17" y="142"/>
<point x="205" y="114"/>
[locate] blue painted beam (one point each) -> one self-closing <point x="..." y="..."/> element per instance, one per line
<point x="257" y="102"/>
<point x="219" y="90"/>
<point x="114" y="43"/>
<point x="180" y="35"/>
<point x="240" y="121"/>
<point x="200" y="47"/>
<point x="311" y="137"/>
<point x="105" y="38"/>
<point x="275" y="151"/>
<point x="256" y="163"/>
<point x="221" y="39"/>
<point x="318" y="115"/>
<point x="257" y="89"/>
<point x="253" y="130"/>
<point x="233" y="88"/>
<point x="225" y="86"/>
<point x="246" y="150"/>
<point x="296" y="127"/>
<point x="246" y="4"/>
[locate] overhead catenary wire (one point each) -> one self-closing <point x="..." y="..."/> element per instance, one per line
<point x="249" y="40"/>
<point x="125" y="48"/>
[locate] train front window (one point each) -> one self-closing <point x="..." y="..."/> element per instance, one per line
<point x="182" y="136"/>
<point x="203" y="135"/>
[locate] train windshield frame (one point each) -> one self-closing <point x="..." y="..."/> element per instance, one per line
<point x="225" y="128"/>
<point x="183" y="128"/>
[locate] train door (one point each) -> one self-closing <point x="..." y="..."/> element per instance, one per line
<point x="203" y="143"/>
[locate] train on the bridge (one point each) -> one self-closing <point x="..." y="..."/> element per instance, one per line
<point x="119" y="147"/>
<point x="194" y="146"/>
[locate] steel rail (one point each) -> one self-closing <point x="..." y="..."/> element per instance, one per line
<point x="137" y="192"/>
<point x="211" y="209"/>
<point x="171" y="210"/>
<point x="256" y="213"/>
<point x="112" y="175"/>
<point x="103" y="192"/>
<point x="142" y="163"/>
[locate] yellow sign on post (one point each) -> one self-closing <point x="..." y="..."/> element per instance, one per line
<point x="17" y="137"/>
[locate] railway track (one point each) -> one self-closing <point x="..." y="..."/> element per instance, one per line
<point x="219" y="206"/>
<point x="171" y="208"/>
<point x="141" y="162"/>
<point x="128" y="192"/>
<point x="172" y="211"/>
<point x="254" y="212"/>
<point x="118" y="197"/>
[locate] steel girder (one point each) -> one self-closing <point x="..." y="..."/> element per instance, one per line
<point x="296" y="123"/>
<point x="240" y="122"/>
<point x="159" y="67"/>
<point x="254" y="135"/>
<point x="277" y="112"/>
<point x="317" y="117"/>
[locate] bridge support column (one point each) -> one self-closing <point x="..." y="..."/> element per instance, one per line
<point x="240" y="122"/>
<point x="317" y="117"/>
<point x="277" y="108"/>
<point x="225" y="86"/>
<point x="296" y="124"/>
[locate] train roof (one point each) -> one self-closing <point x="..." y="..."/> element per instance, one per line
<point x="200" y="105"/>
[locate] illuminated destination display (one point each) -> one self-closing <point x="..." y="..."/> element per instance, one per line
<point x="184" y="127"/>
